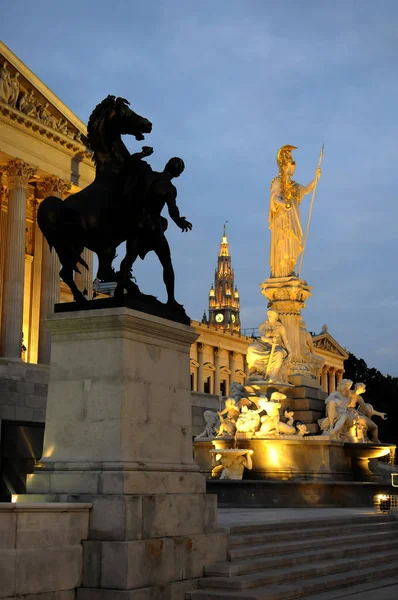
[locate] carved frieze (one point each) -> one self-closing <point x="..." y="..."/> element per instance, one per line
<point x="325" y="344"/>
<point x="25" y="105"/>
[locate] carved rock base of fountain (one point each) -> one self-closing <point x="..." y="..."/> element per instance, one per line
<point x="360" y="455"/>
<point x="232" y="462"/>
<point x="283" y="457"/>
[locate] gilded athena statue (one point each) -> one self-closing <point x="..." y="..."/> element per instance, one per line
<point x="284" y="215"/>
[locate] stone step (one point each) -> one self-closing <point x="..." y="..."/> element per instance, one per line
<point x="299" y="545"/>
<point x="263" y="562"/>
<point x="357" y="590"/>
<point x="305" y="589"/>
<point x="315" y="569"/>
<point x="296" y="536"/>
<point x="277" y="528"/>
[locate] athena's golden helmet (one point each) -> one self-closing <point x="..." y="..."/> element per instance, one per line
<point x="284" y="155"/>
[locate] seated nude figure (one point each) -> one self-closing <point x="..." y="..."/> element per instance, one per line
<point x="271" y="421"/>
<point x="228" y="423"/>
<point x="365" y="413"/>
<point x="339" y="419"/>
<point x="267" y="355"/>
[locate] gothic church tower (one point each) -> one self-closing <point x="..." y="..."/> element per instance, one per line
<point x="224" y="301"/>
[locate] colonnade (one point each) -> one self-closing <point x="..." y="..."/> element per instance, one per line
<point x="330" y="378"/>
<point x="216" y="375"/>
<point x="44" y="289"/>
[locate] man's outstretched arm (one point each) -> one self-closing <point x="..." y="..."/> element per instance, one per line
<point x="174" y="213"/>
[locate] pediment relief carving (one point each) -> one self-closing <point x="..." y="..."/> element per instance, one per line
<point x="23" y="103"/>
<point x="327" y="343"/>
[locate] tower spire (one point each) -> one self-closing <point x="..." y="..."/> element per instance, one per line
<point x="224" y="250"/>
<point x="224" y="301"/>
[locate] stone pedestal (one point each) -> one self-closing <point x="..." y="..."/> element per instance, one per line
<point x="118" y="435"/>
<point x="287" y="295"/>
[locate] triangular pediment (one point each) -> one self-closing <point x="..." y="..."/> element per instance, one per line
<point x="26" y="100"/>
<point x="325" y="341"/>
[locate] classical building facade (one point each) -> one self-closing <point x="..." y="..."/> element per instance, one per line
<point x="41" y="154"/>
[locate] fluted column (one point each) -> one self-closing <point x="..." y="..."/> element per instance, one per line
<point x="201" y="381"/>
<point x="332" y="380"/>
<point x="232" y="364"/>
<point x="324" y="380"/>
<point x="217" y="371"/>
<point x="50" y="281"/>
<point x="3" y="236"/>
<point x="84" y="279"/>
<point x="33" y="347"/>
<point x="18" y="175"/>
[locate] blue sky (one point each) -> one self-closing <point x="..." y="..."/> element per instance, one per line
<point x="226" y="83"/>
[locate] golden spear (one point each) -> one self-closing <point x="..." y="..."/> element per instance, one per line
<point x="310" y="213"/>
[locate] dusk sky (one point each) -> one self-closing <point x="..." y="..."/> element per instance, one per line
<point x="225" y="84"/>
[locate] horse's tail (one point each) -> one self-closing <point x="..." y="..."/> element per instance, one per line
<point x="58" y="222"/>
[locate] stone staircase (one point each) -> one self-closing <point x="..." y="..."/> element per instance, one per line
<point x="313" y="560"/>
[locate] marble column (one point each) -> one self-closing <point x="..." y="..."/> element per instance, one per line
<point x="201" y="381"/>
<point x="216" y="352"/>
<point x="50" y="281"/>
<point x="33" y="347"/>
<point x="84" y="279"/>
<point x="339" y="377"/>
<point x="3" y="236"/>
<point x="332" y="380"/>
<point x="232" y="365"/>
<point x="18" y="175"/>
<point x="324" y="380"/>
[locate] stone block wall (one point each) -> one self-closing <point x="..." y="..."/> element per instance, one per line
<point x="41" y="552"/>
<point x="23" y="391"/>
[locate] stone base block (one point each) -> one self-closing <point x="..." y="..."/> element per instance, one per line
<point x="172" y="591"/>
<point x="41" y="554"/>
<point x="150" y="563"/>
<point x="135" y="517"/>
<point x="64" y="479"/>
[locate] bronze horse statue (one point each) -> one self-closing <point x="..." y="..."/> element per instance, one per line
<point x="123" y="204"/>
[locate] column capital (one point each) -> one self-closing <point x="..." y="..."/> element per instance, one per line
<point x="18" y="173"/>
<point x="52" y="186"/>
<point x="200" y="346"/>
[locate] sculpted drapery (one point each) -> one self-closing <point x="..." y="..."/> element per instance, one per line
<point x="284" y="215"/>
<point x="286" y="231"/>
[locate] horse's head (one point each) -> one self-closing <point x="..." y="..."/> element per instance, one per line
<point x="129" y="122"/>
<point x="111" y="119"/>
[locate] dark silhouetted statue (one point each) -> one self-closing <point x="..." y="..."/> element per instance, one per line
<point x="123" y="204"/>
